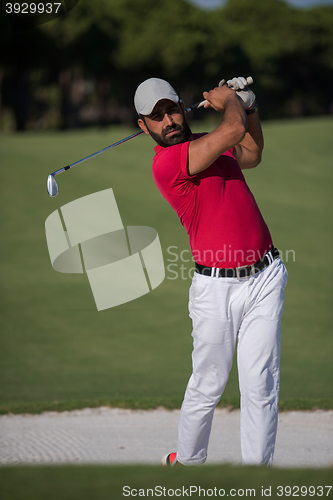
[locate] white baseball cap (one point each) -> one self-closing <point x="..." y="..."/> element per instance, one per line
<point x="150" y="92"/>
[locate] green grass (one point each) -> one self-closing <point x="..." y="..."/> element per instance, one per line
<point x="103" y="482"/>
<point x="58" y="351"/>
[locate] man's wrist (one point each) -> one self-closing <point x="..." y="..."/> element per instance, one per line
<point x="252" y="109"/>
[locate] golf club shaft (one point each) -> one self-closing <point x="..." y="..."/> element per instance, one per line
<point x="97" y="153"/>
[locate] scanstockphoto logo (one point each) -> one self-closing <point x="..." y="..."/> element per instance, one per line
<point x="180" y="263"/>
<point x="25" y="14"/>
<point x="87" y="236"/>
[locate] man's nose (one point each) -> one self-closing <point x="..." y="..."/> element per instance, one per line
<point x="168" y="121"/>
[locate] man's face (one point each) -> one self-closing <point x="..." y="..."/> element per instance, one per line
<point x="166" y="124"/>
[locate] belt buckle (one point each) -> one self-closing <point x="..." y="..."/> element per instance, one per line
<point x="239" y="269"/>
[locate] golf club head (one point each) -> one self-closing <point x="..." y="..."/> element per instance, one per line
<point x="52" y="186"/>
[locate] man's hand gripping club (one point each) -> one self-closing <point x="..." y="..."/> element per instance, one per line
<point x="205" y="150"/>
<point x="240" y="85"/>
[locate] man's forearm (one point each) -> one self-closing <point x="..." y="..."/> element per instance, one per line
<point x="248" y="151"/>
<point x="204" y="151"/>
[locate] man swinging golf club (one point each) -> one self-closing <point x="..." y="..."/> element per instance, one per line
<point x="237" y="291"/>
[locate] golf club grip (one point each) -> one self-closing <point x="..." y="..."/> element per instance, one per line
<point x="202" y="103"/>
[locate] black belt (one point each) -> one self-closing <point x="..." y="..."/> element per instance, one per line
<point x="239" y="272"/>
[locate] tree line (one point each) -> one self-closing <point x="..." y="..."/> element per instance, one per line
<point x="83" y="67"/>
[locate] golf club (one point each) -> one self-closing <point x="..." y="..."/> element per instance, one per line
<point x="52" y="185"/>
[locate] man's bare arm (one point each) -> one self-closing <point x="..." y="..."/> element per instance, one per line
<point x="204" y="151"/>
<point x="248" y="151"/>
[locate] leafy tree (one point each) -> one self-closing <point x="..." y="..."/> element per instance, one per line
<point x="117" y="44"/>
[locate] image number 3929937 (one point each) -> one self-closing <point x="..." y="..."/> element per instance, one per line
<point x="23" y="15"/>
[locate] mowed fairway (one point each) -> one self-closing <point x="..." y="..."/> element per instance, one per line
<point x="58" y="351"/>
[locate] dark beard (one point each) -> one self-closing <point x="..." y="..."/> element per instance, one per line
<point x="165" y="141"/>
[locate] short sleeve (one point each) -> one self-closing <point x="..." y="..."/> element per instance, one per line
<point x="170" y="169"/>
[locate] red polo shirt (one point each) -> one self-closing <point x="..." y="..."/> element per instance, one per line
<point x="216" y="207"/>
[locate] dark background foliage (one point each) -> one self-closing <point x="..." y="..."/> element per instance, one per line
<point x="83" y="67"/>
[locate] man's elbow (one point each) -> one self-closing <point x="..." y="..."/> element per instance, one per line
<point x="250" y="161"/>
<point x="257" y="159"/>
<point x="260" y="148"/>
<point x="257" y="155"/>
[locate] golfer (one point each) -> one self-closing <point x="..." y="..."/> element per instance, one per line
<point x="237" y="291"/>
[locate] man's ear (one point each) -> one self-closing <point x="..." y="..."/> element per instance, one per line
<point x="182" y="105"/>
<point x="143" y="126"/>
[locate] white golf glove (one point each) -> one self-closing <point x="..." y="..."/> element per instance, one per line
<point x="240" y="86"/>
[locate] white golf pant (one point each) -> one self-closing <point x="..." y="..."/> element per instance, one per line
<point x="224" y="310"/>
